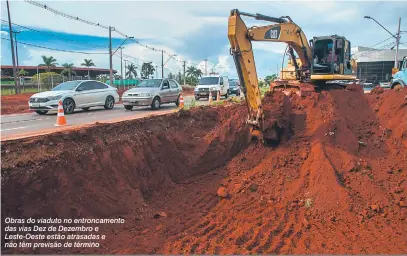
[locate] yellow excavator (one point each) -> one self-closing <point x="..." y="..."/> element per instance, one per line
<point x="317" y="64"/>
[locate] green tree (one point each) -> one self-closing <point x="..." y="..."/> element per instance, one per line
<point x="192" y="75"/>
<point x="191" y="71"/>
<point x="198" y="73"/>
<point x="49" y="62"/>
<point x="22" y="72"/>
<point x="47" y="79"/>
<point x="147" y="69"/>
<point x="131" y="70"/>
<point x="68" y="69"/>
<point x="88" y="63"/>
<point x="271" y="78"/>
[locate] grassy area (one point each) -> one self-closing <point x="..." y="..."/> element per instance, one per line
<point x="263" y="90"/>
<point x="10" y="91"/>
<point x="7" y="82"/>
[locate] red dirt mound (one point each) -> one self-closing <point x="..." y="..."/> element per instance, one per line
<point x="337" y="184"/>
<point x="114" y="169"/>
<point x="12" y="104"/>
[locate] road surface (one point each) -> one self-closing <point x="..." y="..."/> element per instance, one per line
<point x="31" y="124"/>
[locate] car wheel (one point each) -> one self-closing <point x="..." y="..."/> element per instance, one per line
<point x="177" y="102"/>
<point x="227" y="95"/>
<point x="41" y="112"/>
<point x="128" y="107"/>
<point x="156" y="103"/>
<point x="109" y="103"/>
<point x="69" y="106"/>
<point x="86" y="109"/>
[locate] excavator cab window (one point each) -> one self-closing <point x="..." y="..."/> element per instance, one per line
<point x="323" y="56"/>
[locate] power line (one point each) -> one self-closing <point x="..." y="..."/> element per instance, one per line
<point x="65" y="15"/>
<point x="56" y="12"/>
<point x="51" y="34"/>
<point x="59" y="50"/>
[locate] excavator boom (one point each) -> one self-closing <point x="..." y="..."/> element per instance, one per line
<point x="307" y="72"/>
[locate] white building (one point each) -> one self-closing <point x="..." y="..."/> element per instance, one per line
<point x="375" y="65"/>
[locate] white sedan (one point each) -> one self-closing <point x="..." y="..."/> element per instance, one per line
<point x="82" y="94"/>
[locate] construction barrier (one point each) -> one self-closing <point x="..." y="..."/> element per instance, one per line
<point x="61" y="120"/>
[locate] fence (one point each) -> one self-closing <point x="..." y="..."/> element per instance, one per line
<point x="46" y="82"/>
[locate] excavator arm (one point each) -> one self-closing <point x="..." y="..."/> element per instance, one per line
<point x="241" y="38"/>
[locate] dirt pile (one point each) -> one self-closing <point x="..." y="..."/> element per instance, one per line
<point x="190" y="183"/>
<point x="12" y="104"/>
<point x="337" y="186"/>
<point x="113" y="170"/>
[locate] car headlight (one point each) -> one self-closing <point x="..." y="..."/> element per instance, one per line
<point x="213" y="88"/>
<point x="144" y="95"/>
<point x="54" y="97"/>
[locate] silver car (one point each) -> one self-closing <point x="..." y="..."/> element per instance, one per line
<point x="152" y="92"/>
<point x="82" y="94"/>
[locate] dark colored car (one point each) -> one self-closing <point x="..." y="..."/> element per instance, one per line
<point x="234" y="87"/>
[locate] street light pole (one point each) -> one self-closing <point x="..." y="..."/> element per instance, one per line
<point x="121" y="64"/>
<point x="397" y="37"/>
<point x="397" y="46"/>
<point x="163" y="64"/>
<point x="110" y="57"/>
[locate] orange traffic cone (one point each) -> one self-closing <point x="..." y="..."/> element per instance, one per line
<point x="210" y="97"/>
<point x="61" y="121"/>
<point x="181" y="101"/>
<point x="218" y="96"/>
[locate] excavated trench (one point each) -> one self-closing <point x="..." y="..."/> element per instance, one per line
<point x="336" y="183"/>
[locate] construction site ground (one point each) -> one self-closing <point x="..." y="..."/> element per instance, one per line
<point x="191" y="182"/>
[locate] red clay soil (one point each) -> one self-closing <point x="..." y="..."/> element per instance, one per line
<point x="336" y="183"/>
<point x="13" y="104"/>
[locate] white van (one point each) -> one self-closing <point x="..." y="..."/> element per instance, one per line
<point x="212" y="85"/>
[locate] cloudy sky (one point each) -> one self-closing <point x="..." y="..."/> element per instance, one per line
<point x="193" y="30"/>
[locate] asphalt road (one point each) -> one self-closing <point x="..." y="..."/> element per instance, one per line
<point x="31" y="124"/>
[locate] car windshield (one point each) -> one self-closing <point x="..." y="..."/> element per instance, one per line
<point x="233" y="83"/>
<point x="208" y="80"/>
<point x="150" y="83"/>
<point x="70" y="85"/>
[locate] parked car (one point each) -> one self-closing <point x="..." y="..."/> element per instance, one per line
<point x="211" y="85"/>
<point x="152" y="92"/>
<point x="77" y="94"/>
<point x="234" y="87"/>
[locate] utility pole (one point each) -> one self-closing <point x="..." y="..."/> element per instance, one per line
<point x="156" y="71"/>
<point x="206" y="67"/>
<point x="184" y="73"/>
<point x="15" y="39"/>
<point x="110" y="56"/>
<point x="125" y="67"/>
<point x="397" y="46"/>
<point x="162" y="63"/>
<point x="16" y="82"/>
<point x="121" y="64"/>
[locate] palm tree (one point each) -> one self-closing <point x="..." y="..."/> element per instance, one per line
<point x="49" y="62"/>
<point x="147" y="69"/>
<point x="191" y="71"/>
<point x="198" y="73"/>
<point x="131" y="70"/>
<point x="68" y="68"/>
<point x="88" y="63"/>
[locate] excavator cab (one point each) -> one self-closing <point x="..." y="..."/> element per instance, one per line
<point x="331" y="58"/>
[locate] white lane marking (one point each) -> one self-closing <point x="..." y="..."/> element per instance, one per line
<point x="22" y="127"/>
